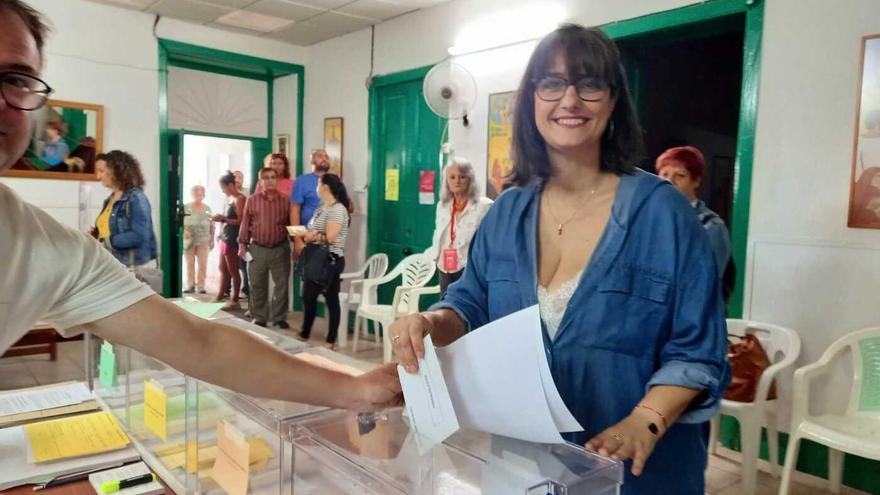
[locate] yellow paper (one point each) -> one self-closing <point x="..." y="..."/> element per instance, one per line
<point x="75" y="436"/>
<point x="156" y="409"/>
<point x="173" y="457"/>
<point x="392" y="184"/>
<point x="231" y="470"/>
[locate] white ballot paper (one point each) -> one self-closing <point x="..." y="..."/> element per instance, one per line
<point x="499" y="380"/>
<point x="428" y="405"/>
<point x="65" y="394"/>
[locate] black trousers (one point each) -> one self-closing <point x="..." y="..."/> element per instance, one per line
<point x="447" y="279"/>
<point x="310" y="293"/>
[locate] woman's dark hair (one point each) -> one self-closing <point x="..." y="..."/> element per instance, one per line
<point x="31" y="18"/>
<point x="125" y="169"/>
<point x="587" y="52"/>
<point x="338" y="190"/>
<point x="227" y="178"/>
<point x="283" y="158"/>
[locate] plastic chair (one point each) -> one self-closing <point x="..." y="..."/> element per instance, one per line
<point x="415" y="272"/>
<point x="783" y="346"/>
<point x="375" y="267"/>
<point x="857" y="431"/>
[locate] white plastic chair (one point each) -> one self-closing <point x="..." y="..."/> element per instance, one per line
<point x="857" y="431"/>
<point x="415" y="272"/>
<point x="783" y="346"/>
<point x="375" y="267"/>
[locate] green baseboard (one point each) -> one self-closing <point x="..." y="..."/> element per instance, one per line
<point x="858" y="472"/>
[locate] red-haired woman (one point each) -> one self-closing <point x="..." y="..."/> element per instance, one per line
<point x="281" y="165"/>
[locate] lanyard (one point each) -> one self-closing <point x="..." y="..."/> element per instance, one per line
<point x="452" y="222"/>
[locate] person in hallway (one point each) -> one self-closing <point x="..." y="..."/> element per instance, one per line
<point x="459" y="213"/>
<point x="620" y="268"/>
<point x="263" y="233"/>
<point x="242" y="263"/>
<point x="684" y="166"/>
<point x="125" y="225"/>
<point x="305" y="201"/>
<point x="328" y="226"/>
<point x="231" y="220"/>
<point x="198" y="240"/>
<point x="281" y="165"/>
<point x="56" y="274"/>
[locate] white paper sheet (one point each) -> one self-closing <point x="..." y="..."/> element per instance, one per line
<point x="68" y="394"/>
<point x="428" y="403"/>
<point x="496" y="381"/>
<point x="126" y="472"/>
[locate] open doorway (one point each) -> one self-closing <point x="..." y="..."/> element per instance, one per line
<point x="687" y="84"/>
<point x="205" y="160"/>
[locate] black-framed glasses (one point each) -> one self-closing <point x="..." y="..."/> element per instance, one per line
<point x="553" y="88"/>
<point x="23" y="91"/>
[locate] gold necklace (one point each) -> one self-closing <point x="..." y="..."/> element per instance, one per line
<point x="560" y="225"/>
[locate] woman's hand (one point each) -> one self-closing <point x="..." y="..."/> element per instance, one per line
<point x="219" y="217"/>
<point x="312" y="236"/>
<point x="629" y="439"/>
<point x="407" y="338"/>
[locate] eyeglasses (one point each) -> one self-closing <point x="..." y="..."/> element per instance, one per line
<point x="23" y="91"/>
<point x="553" y="88"/>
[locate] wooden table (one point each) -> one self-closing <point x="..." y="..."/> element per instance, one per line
<point x="41" y="339"/>
<point x="75" y="488"/>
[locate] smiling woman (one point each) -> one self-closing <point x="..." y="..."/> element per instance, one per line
<point x="616" y="261"/>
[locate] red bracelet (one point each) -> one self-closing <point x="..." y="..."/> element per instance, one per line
<point x="658" y="413"/>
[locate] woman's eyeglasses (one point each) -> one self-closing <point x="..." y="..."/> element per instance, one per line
<point x="553" y="88"/>
<point x="23" y="91"/>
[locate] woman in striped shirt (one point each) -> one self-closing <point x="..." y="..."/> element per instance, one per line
<point x="329" y="225"/>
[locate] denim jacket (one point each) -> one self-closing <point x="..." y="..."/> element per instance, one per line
<point x="648" y="311"/>
<point x="131" y="228"/>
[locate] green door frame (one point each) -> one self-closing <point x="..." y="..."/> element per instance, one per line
<point x="179" y="54"/>
<point x="375" y="202"/>
<point x="742" y="183"/>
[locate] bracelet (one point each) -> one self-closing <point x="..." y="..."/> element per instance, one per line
<point x="658" y="413"/>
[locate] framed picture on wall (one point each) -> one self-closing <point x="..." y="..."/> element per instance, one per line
<point x="68" y="136"/>
<point x="864" y="199"/>
<point x="500" y="128"/>
<point x="282" y="144"/>
<point x="333" y="137"/>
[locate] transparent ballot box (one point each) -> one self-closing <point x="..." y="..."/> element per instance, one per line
<point x="183" y="428"/>
<point x="335" y="454"/>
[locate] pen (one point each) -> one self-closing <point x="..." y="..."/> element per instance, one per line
<point x="70" y="478"/>
<point x="114" y="486"/>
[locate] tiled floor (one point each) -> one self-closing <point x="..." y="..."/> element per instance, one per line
<point x="722" y="476"/>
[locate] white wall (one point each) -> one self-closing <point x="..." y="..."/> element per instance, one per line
<point x="805" y="268"/>
<point x="284" y="115"/>
<point x="109" y="56"/>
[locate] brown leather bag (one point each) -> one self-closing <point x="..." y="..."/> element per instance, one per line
<point x="748" y="361"/>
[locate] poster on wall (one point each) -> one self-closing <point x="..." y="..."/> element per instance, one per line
<point x="426" y="187"/>
<point x="392" y="184"/>
<point x="282" y="146"/>
<point x="333" y="127"/>
<point x="498" y="164"/>
<point x="864" y="201"/>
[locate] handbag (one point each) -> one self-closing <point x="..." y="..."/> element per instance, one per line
<point x="748" y="361"/>
<point x="317" y="265"/>
<point x="149" y="275"/>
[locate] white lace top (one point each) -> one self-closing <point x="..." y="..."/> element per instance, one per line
<point x="552" y="305"/>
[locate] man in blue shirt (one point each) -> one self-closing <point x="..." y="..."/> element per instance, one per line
<point x="304" y="200"/>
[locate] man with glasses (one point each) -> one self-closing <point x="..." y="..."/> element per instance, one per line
<point x="56" y="274"/>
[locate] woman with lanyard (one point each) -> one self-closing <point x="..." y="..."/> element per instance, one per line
<point x="459" y="213"/>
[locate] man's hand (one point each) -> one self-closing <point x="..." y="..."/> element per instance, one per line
<point x="376" y="390"/>
<point x="298" y="246"/>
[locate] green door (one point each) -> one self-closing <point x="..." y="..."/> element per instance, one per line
<point x="406" y="142"/>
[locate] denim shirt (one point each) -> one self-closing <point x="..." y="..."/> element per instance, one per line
<point x="648" y="311"/>
<point x="719" y="238"/>
<point x="131" y="228"/>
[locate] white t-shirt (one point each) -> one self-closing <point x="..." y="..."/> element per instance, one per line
<point x="53" y="273"/>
